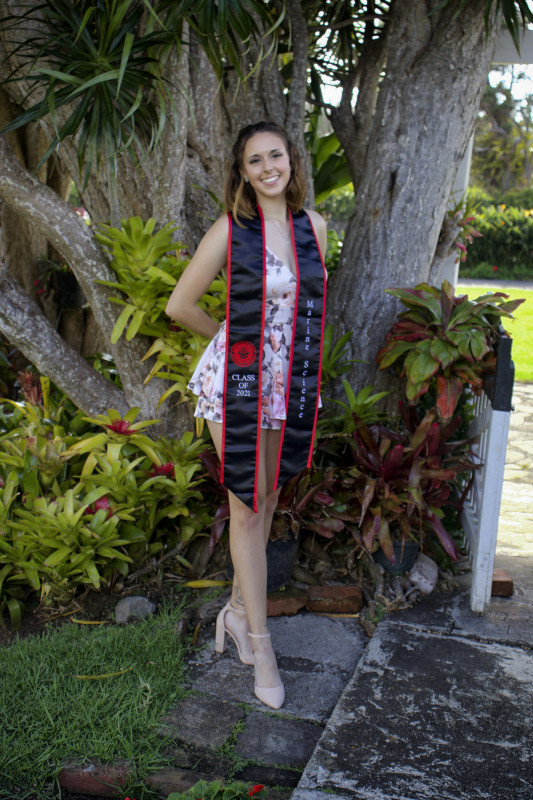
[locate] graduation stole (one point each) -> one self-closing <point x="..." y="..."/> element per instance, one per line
<point x="245" y="325"/>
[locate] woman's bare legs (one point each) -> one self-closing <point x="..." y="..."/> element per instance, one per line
<point x="248" y="532"/>
<point x="270" y="505"/>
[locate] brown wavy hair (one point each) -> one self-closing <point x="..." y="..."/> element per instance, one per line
<point x="239" y="197"/>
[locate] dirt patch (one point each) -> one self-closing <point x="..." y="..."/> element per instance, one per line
<point x="89" y="606"/>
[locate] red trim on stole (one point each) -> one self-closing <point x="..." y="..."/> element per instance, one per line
<point x="223" y="448"/>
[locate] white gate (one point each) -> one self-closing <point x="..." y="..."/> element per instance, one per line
<point x="481" y="511"/>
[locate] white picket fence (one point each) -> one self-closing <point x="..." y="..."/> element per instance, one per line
<point x="481" y="511"/>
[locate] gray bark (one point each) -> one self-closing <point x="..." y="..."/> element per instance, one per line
<point x="170" y="158"/>
<point x="295" y="122"/>
<point x="436" y="70"/>
<point x="23" y="323"/>
<point x="74" y="240"/>
<point x="353" y="128"/>
<point x="206" y="148"/>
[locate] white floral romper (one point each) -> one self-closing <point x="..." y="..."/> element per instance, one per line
<point x="208" y="378"/>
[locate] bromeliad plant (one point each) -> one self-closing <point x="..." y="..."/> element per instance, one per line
<point x="82" y="510"/>
<point x="446" y="338"/>
<point x="148" y="264"/>
<point x="131" y="469"/>
<point x="399" y="481"/>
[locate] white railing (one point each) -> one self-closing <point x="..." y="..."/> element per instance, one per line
<point x="481" y="511"/>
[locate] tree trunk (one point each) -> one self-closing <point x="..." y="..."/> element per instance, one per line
<point x="436" y="69"/>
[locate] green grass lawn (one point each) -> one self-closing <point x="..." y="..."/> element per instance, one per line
<point x="521" y="328"/>
<point x="87" y="692"/>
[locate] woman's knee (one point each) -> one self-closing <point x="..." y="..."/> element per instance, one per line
<point x="243" y="517"/>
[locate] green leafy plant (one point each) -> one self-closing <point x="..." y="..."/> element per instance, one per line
<point x="102" y="68"/>
<point x="76" y="543"/>
<point x="132" y="469"/>
<point x="333" y="253"/>
<point x="506" y="247"/>
<point x="334" y="361"/>
<point x="148" y="264"/>
<point x="362" y="405"/>
<point x="81" y="509"/>
<point x="330" y="170"/>
<point x="444" y="337"/>
<point x="104" y="63"/>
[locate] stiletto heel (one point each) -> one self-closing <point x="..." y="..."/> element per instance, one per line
<point x="271" y="696"/>
<point x="221" y="631"/>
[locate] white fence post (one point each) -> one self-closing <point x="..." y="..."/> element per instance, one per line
<point x="481" y="511"/>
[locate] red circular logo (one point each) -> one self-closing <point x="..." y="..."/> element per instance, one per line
<point x="243" y="354"/>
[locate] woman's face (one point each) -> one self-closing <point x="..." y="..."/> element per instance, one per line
<point x="266" y="164"/>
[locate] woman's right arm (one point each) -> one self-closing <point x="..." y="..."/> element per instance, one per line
<point x="201" y="271"/>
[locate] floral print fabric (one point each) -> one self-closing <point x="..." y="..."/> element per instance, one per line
<point x="208" y="378"/>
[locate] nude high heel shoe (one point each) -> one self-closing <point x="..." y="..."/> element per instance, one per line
<point x="222" y="630"/>
<point x="271" y="696"/>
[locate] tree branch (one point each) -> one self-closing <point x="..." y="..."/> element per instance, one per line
<point x="353" y="128"/>
<point x="25" y="326"/>
<point x="63" y="228"/>
<point x="445" y="246"/>
<point x="298" y="89"/>
<point x="47" y="212"/>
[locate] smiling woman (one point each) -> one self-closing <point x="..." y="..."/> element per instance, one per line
<point x="260" y="403"/>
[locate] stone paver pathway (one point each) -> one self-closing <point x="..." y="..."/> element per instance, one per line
<point x="223" y="730"/>
<point x="439" y="706"/>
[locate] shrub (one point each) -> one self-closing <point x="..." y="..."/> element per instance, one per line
<point x="505" y="248"/>
<point x="83" y="508"/>
<point x="446" y="339"/>
<point x="148" y="265"/>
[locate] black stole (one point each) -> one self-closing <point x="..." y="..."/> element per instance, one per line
<point x="245" y="324"/>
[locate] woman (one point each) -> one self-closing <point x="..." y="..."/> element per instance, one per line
<point x="260" y="404"/>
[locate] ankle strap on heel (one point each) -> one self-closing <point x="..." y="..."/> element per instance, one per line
<point x="259" y="635"/>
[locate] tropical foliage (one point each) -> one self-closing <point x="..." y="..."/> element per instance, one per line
<point x="502" y="159"/>
<point x="446" y="338"/>
<point x="127" y="83"/>
<point x="148" y="264"/>
<point x="81" y="508"/>
<point x="104" y="63"/>
<point x="403" y="479"/>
